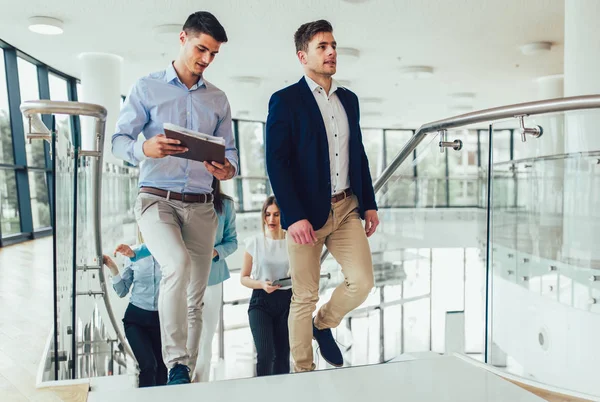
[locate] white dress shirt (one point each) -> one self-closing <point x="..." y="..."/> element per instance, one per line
<point x="338" y="133"/>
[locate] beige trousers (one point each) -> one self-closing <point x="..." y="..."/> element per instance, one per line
<point x="181" y="237"/>
<point x="344" y="236"/>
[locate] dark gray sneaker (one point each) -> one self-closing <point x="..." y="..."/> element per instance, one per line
<point x="179" y="374"/>
<point x="327" y="346"/>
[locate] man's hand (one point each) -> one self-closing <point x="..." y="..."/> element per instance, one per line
<point x="160" y="146"/>
<point x="125" y="250"/>
<point x="302" y="232"/>
<point x="215" y="253"/>
<point x="106" y="260"/>
<point x="221" y="171"/>
<point x="371" y="222"/>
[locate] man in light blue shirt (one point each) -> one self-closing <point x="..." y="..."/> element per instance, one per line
<point x="174" y="207"/>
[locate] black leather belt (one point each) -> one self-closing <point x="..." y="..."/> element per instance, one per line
<point x="171" y="195"/>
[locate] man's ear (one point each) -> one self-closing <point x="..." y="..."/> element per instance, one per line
<point x="301" y="56"/>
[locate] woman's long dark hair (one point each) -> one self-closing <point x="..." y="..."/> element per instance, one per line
<point x="218" y="196"/>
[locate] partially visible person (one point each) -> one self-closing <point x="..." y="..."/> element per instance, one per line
<point x="266" y="261"/>
<point x="225" y="244"/>
<point x="141" y="278"/>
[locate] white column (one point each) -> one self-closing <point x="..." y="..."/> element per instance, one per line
<point x="552" y="142"/>
<point x="582" y="67"/>
<point x="581" y="217"/>
<point x="101" y="75"/>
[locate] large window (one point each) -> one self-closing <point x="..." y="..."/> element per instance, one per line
<point x="6" y="148"/>
<point x="373" y="143"/>
<point x="252" y="164"/>
<point x="10" y="222"/>
<point x="29" y="88"/>
<point x="25" y="174"/>
<point x="59" y="91"/>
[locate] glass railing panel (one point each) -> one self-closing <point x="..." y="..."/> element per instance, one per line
<point x="98" y="343"/>
<point x="545" y="262"/>
<point x="433" y="247"/>
<point x="65" y="200"/>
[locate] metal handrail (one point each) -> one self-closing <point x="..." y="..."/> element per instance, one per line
<point x="481" y="116"/>
<point x="32" y="109"/>
<point x="63" y="107"/>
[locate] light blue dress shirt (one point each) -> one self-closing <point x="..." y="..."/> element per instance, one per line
<point x="144" y="275"/>
<point x="162" y="98"/>
<point x="225" y="244"/>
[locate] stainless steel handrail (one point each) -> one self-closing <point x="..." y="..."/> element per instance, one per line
<point x="63" y="107"/>
<point x="481" y="116"/>
<point x="32" y="109"/>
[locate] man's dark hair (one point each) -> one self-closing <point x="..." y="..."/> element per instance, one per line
<point x="203" y="22"/>
<point x="307" y="31"/>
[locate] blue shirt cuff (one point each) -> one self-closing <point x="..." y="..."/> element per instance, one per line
<point x="138" y="150"/>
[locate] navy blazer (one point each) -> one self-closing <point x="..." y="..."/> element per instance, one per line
<point x="297" y="154"/>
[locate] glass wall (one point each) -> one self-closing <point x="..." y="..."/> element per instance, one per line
<point x="9" y="209"/>
<point x="25" y="170"/>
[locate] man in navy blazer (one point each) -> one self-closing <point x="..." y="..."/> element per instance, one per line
<point x="320" y="176"/>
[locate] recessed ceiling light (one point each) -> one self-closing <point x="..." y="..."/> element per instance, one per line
<point x="417" y="71"/>
<point x="536" y="48"/>
<point x="243" y="113"/>
<point x="344" y="83"/>
<point x="356" y="1"/>
<point x="370" y="114"/>
<point x="463" y="95"/>
<point x="371" y="100"/>
<point x="46" y="25"/>
<point x="247" y="81"/>
<point x="167" y="33"/>
<point x="348" y="53"/>
<point x="550" y="78"/>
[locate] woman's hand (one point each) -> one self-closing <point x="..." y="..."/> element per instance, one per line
<point x="125" y="250"/>
<point x="112" y="266"/>
<point x="269" y="288"/>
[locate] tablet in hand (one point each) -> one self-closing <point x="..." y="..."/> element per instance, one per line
<point x="283" y="282"/>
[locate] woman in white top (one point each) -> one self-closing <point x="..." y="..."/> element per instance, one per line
<point x="266" y="261"/>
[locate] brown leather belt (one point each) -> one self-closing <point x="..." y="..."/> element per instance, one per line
<point x="341" y="196"/>
<point x="171" y="195"/>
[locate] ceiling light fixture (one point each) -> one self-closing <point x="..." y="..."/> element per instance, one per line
<point x="417" y="72"/>
<point x="247" y="81"/>
<point x="463" y="96"/>
<point x="46" y="25"/>
<point x="348" y="53"/>
<point x="243" y="113"/>
<point x="344" y="83"/>
<point x="533" y="48"/>
<point x="373" y="101"/>
<point x="370" y="114"/>
<point x="167" y="33"/>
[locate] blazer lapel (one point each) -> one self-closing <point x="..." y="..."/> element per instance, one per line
<point x="311" y="104"/>
<point x="348" y="107"/>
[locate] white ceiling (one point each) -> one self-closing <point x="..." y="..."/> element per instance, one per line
<point x="473" y="46"/>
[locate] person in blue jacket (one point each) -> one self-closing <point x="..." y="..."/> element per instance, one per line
<point x="199" y="343"/>
<point x="141" y="278"/>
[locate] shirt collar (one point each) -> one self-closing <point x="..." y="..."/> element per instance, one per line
<point x="313" y="85"/>
<point x="171" y="75"/>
